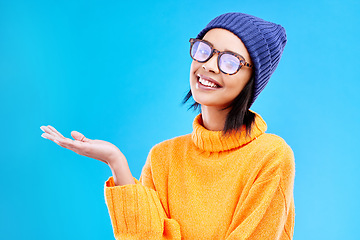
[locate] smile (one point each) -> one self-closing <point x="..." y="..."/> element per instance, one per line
<point x="206" y="82"/>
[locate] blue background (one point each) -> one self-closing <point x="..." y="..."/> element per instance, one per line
<point x="102" y="68"/>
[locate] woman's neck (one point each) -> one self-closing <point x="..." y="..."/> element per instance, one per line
<point x="213" y="118"/>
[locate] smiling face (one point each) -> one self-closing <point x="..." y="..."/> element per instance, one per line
<point x="209" y="86"/>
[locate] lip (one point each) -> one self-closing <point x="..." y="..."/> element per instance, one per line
<point x="209" y="79"/>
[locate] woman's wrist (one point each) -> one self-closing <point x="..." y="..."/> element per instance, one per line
<point x="121" y="171"/>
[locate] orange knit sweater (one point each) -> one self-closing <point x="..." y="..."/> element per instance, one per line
<point x="203" y="186"/>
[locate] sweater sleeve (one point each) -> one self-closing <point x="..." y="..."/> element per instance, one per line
<point x="136" y="211"/>
<point x="265" y="210"/>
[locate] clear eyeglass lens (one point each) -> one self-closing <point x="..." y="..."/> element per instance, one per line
<point x="229" y="63"/>
<point x="200" y="51"/>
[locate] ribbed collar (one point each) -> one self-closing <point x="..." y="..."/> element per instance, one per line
<point x="213" y="141"/>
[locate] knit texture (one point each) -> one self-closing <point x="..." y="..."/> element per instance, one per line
<point x="204" y="186"/>
<point x="265" y="42"/>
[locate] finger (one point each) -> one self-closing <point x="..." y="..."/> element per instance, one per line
<point x="65" y="142"/>
<point x="79" y="136"/>
<point x="55" y="131"/>
<point x="73" y="145"/>
<point x="49" y="131"/>
<point x="62" y="142"/>
<point x="45" y="129"/>
<point x="49" y="136"/>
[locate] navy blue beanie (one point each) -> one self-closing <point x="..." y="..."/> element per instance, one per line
<point x="265" y="42"/>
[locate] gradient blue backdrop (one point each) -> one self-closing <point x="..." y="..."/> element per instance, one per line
<point x="103" y="68"/>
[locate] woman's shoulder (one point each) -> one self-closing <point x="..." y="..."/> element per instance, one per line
<point x="275" y="151"/>
<point x="161" y="154"/>
<point x="171" y="144"/>
<point x="272" y="141"/>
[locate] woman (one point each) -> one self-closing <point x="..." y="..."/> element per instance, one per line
<point x="228" y="179"/>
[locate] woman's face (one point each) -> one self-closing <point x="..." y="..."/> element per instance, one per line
<point x="229" y="86"/>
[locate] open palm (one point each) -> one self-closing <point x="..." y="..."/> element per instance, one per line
<point x="97" y="149"/>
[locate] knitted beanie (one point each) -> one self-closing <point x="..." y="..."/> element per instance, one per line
<point x="265" y="42"/>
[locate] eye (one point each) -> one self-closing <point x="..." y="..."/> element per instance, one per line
<point x="203" y="52"/>
<point x="200" y="51"/>
<point x="229" y="63"/>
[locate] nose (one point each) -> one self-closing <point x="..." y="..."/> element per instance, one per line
<point x="211" y="64"/>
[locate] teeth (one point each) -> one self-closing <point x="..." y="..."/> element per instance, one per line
<point x="207" y="83"/>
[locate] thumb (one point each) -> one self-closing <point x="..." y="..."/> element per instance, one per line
<point x="78" y="136"/>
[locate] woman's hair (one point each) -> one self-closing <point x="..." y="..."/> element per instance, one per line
<point x="239" y="114"/>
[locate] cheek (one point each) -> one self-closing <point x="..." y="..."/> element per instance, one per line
<point x="195" y="66"/>
<point x="236" y="83"/>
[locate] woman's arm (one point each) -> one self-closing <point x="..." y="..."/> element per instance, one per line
<point x="121" y="171"/>
<point x="266" y="210"/>
<point x="136" y="211"/>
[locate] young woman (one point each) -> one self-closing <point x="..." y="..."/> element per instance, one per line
<point x="228" y="179"/>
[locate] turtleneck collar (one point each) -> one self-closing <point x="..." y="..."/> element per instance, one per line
<point x="213" y="141"/>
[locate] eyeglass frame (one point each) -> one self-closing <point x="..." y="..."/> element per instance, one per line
<point x="242" y="61"/>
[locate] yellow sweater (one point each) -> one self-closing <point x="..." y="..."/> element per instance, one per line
<point x="202" y="186"/>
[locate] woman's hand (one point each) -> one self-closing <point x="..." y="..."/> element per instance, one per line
<point x="97" y="149"/>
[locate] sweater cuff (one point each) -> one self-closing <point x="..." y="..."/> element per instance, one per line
<point x="110" y="182"/>
<point x="134" y="209"/>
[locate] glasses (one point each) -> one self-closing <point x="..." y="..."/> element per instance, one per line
<point x="228" y="62"/>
